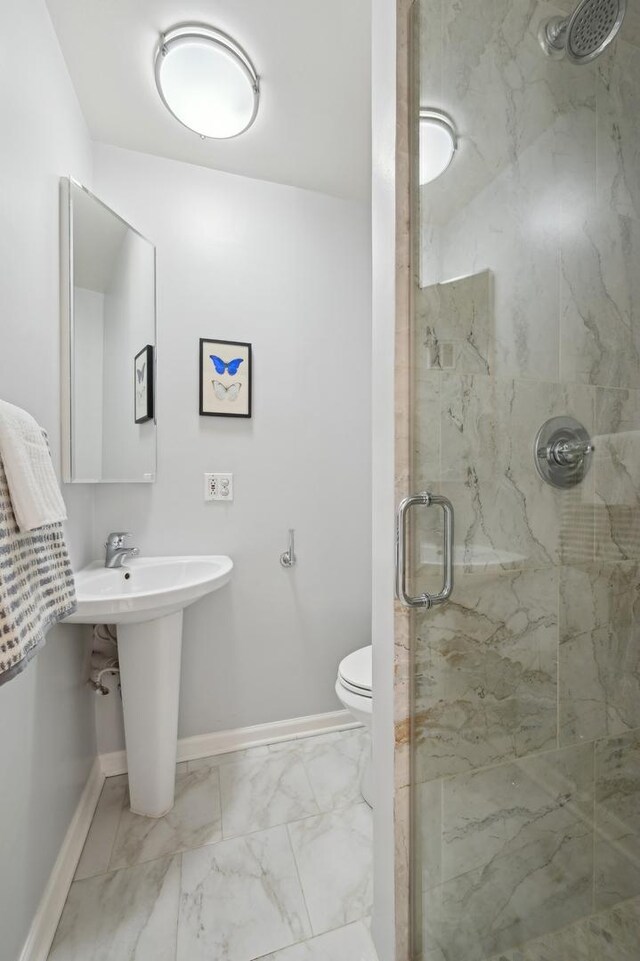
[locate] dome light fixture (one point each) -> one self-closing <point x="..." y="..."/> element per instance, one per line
<point x="438" y="144"/>
<point x="206" y="81"/>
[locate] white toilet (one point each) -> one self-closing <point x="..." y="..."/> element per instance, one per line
<point x="354" y="687"/>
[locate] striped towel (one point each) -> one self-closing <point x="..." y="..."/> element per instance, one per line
<point x="36" y="586"/>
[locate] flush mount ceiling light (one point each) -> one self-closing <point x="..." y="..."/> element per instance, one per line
<point x="438" y="144"/>
<point x="206" y="81"/>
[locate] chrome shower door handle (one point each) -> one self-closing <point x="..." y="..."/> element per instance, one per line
<point x="424" y="499"/>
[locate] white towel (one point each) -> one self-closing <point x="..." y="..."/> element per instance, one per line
<point x="33" y="486"/>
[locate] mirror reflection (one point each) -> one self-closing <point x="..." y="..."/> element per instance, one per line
<point x="110" y="332"/>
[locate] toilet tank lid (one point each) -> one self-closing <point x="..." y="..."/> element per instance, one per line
<point x="357" y="669"/>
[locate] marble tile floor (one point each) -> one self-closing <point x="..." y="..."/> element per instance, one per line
<point x="266" y="855"/>
<point x="612" y="935"/>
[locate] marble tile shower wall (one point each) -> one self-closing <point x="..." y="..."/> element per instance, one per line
<point x="527" y="684"/>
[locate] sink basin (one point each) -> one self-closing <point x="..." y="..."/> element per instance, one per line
<point x="146" y="588"/>
<point x="144" y="599"/>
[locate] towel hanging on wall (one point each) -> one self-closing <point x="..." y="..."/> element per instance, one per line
<point x="35" y="494"/>
<point x="36" y="582"/>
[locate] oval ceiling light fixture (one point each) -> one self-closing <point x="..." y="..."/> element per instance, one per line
<point x="438" y="144"/>
<point x="206" y="81"/>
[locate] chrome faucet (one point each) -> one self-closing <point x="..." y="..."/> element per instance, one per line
<point x="116" y="552"/>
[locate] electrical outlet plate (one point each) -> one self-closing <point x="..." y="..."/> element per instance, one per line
<point x="218" y="487"/>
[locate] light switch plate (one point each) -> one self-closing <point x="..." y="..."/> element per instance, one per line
<point x="218" y="487"/>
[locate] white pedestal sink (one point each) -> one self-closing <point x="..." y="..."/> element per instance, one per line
<point x="145" y="599"/>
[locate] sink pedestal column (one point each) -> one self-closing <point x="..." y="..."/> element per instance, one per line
<point x="149" y="656"/>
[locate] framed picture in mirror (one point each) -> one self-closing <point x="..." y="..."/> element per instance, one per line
<point x="108" y="318"/>
<point x="143" y="377"/>
<point x="225" y="378"/>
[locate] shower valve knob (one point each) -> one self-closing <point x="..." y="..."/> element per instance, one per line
<point x="563" y="452"/>
<point x="566" y="453"/>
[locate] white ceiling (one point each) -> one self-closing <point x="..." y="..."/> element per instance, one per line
<point x="313" y="59"/>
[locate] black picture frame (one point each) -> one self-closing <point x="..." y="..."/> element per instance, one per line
<point x="143" y="406"/>
<point x="217" y="385"/>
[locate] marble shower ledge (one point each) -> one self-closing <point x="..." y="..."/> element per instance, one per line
<point x="485" y="467"/>
<point x="480" y="557"/>
<point x="473" y="443"/>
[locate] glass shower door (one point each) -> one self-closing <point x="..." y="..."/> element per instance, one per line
<point x="525" y="366"/>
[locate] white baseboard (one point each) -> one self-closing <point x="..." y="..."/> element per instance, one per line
<point x="222" y="742"/>
<point x="45" y="922"/>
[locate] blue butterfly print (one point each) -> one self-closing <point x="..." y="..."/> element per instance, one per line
<point x="231" y="366"/>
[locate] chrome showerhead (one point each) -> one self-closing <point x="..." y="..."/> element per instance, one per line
<point x="586" y="33"/>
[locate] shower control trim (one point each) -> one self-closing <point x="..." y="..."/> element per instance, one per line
<point x="552" y="37"/>
<point x="562" y="452"/>
<point x="424" y="499"/>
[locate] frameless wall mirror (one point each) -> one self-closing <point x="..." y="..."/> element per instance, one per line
<point x="108" y="344"/>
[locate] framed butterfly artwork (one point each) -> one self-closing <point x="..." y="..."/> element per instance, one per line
<point x="225" y="378"/>
<point x="143" y="385"/>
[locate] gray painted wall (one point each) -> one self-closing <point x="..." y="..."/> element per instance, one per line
<point x="47" y="738"/>
<point x="284" y="268"/>
<point x="288" y="270"/>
